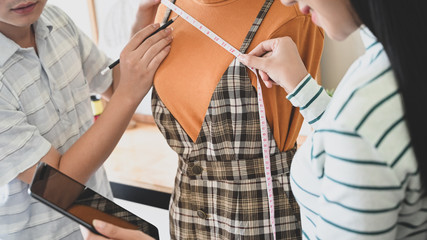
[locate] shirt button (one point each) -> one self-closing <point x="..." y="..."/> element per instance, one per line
<point x="197" y="170"/>
<point x="201" y="214"/>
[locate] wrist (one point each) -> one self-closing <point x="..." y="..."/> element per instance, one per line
<point x="300" y="84"/>
<point x="290" y="86"/>
<point x="126" y="99"/>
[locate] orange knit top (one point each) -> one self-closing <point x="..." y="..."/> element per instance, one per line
<point x="187" y="78"/>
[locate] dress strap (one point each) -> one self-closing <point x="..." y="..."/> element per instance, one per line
<point x="258" y="20"/>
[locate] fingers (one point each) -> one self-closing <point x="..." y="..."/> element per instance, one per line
<point x="258" y="57"/>
<point x="266" y="79"/>
<point x="106" y="229"/>
<point x="140" y="36"/>
<point x="88" y="235"/>
<point x="158" y="58"/>
<point x="113" y="232"/>
<point x="153" y="45"/>
<point x="259" y="63"/>
<point x="144" y="53"/>
<point x="109" y="230"/>
<point x="264" y="47"/>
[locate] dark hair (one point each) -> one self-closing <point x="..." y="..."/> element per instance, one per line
<point x="401" y="26"/>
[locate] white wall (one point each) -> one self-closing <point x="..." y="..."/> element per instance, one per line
<point x="337" y="57"/>
<point x="115" y="18"/>
<point x="78" y="11"/>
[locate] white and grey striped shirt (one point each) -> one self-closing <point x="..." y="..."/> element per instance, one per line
<point x="356" y="177"/>
<point x="44" y="102"/>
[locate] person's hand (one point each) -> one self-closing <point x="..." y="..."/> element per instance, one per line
<point x="139" y="61"/>
<point x="113" y="232"/>
<point x="278" y="62"/>
<point x="145" y="15"/>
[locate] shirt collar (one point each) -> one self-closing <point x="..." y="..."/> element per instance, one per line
<point x="42" y="27"/>
<point x="368" y="38"/>
<point x="9" y="48"/>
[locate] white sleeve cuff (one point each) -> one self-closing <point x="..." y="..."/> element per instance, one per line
<point x="304" y="92"/>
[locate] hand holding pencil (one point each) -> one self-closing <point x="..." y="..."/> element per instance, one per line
<point x="164" y="26"/>
<point x="139" y="61"/>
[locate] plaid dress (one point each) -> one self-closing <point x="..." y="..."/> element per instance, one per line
<point x="220" y="190"/>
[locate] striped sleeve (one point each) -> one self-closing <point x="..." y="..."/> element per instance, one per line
<point x="311" y="98"/>
<point x="367" y="193"/>
<point x="364" y="166"/>
<point x="356" y="176"/>
<point x="357" y="195"/>
<point x="20" y="143"/>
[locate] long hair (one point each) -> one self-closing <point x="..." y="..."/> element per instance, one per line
<point x="401" y="26"/>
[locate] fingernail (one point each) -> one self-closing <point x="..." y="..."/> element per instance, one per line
<point x="242" y="58"/>
<point x="156" y="25"/>
<point x="98" y="224"/>
<point x="168" y="30"/>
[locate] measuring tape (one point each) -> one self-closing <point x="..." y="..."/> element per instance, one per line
<point x="263" y="119"/>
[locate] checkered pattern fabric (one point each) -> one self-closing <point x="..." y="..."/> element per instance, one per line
<point x="220" y="190"/>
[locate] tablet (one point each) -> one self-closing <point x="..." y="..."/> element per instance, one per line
<point x="81" y="203"/>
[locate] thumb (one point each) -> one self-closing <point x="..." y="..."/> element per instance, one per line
<point x="114" y="232"/>
<point x="253" y="61"/>
<point x="104" y="228"/>
<point x="109" y="230"/>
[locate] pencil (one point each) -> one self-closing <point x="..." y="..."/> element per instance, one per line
<point x="158" y="30"/>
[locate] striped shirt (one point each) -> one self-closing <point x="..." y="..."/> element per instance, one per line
<point x="356" y="176"/>
<point x="44" y="102"/>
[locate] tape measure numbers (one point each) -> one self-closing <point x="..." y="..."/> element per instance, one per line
<point x="263" y="119"/>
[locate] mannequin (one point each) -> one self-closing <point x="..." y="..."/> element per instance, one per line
<point x="232" y="25"/>
<point x="211" y="120"/>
